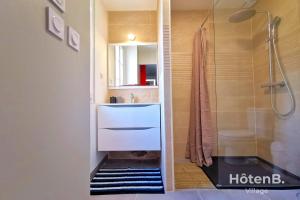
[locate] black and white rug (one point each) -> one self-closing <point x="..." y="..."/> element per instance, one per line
<point x="127" y="181"/>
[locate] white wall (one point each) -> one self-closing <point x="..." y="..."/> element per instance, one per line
<point x="131" y="66"/>
<point x="100" y="78"/>
<point x="147" y="55"/>
<point x="160" y="50"/>
<point x="112" y="66"/>
<point x="167" y="96"/>
<point x="44" y="104"/>
<point x="101" y="40"/>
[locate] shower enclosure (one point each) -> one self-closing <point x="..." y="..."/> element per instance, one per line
<point x="257" y="88"/>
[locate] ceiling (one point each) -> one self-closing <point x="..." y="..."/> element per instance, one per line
<point x="231" y="4"/>
<point x="208" y="4"/>
<point x="130" y="5"/>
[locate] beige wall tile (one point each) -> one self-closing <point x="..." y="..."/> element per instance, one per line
<point x="132" y="17"/>
<point x="141" y="95"/>
<point x="142" y="23"/>
<point x="234" y="80"/>
<point x="184" y="26"/>
<point x="119" y="33"/>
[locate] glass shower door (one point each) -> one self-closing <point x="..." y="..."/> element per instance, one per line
<point x="252" y="140"/>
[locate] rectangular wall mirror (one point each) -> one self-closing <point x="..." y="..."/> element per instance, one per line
<point x="132" y="65"/>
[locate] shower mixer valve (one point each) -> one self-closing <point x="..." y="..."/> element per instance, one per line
<point x="269" y="85"/>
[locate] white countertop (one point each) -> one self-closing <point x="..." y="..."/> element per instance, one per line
<point x="128" y="104"/>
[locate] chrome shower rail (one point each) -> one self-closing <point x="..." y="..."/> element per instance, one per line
<point x="273" y="54"/>
<point x="273" y="23"/>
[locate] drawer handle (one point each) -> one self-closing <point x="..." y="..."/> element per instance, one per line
<point x="128" y="129"/>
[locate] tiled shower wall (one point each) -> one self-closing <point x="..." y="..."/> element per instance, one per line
<point x="234" y="82"/>
<point x="278" y="139"/>
<point x="229" y="74"/>
<point x="184" y="24"/>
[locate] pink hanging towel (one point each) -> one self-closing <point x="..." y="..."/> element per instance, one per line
<point x="200" y="139"/>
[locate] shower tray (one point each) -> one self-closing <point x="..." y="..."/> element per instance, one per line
<point x="227" y="175"/>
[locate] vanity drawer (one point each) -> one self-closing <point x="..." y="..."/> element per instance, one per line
<point x="138" y="139"/>
<point x="128" y="116"/>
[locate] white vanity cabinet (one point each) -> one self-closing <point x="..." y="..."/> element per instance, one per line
<point x="129" y="127"/>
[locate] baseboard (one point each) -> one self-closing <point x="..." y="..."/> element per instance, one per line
<point x="93" y="173"/>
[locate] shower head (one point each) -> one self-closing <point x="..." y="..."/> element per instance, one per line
<point x="242" y="15"/>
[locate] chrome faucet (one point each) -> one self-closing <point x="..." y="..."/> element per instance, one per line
<point x="132" y="99"/>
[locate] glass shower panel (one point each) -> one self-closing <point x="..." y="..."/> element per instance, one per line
<point x="252" y="139"/>
<point x="277" y="137"/>
<point x="234" y="82"/>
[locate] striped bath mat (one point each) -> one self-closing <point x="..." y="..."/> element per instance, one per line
<point x="127" y="181"/>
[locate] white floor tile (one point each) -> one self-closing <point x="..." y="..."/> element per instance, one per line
<point x="284" y="194"/>
<point x="249" y="195"/>
<point x="114" y="197"/>
<point x="208" y="195"/>
<point x="153" y="197"/>
<point x="184" y="195"/>
<point x="213" y="195"/>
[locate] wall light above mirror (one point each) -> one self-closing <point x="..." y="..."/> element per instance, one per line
<point x="132" y="65"/>
<point x="131" y="37"/>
